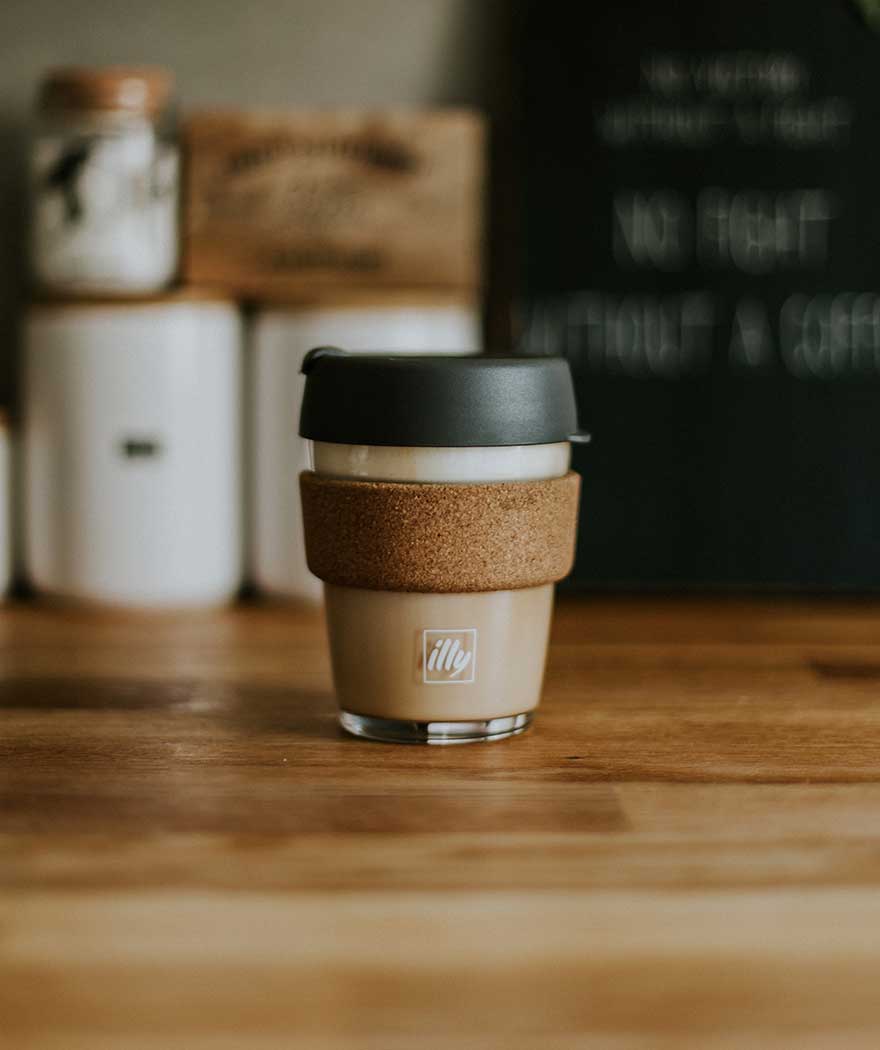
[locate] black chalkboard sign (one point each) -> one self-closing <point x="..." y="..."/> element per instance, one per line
<point x="701" y="238"/>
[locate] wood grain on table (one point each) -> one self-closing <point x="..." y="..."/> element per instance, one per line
<point x="684" y="852"/>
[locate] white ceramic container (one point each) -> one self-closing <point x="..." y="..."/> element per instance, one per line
<point x="280" y="339"/>
<point x="132" y="451"/>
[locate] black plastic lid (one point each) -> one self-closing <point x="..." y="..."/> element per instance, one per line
<point x="436" y="399"/>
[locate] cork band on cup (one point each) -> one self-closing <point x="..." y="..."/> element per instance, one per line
<point x="439" y="538"/>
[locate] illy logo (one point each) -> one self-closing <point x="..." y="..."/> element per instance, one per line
<point x="449" y="655"/>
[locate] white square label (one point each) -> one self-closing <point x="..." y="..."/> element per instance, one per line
<point x="449" y="655"/>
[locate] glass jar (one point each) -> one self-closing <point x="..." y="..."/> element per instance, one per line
<point x="104" y="183"/>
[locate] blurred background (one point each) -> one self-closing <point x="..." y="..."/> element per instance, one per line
<point x="678" y="198"/>
<point x="267" y="54"/>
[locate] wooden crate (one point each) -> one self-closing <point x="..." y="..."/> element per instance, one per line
<point x="281" y="205"/>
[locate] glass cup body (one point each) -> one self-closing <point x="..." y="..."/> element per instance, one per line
<point x="438" y="668"/>
<point x="104" y="204"/>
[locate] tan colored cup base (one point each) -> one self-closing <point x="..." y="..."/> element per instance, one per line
<point x="379" y="646"/>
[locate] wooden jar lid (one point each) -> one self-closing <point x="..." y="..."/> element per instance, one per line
<point x="123" y="89"/>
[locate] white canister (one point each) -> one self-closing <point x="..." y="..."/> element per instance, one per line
<point x="132" y="449"/>
<point x="281" y="337"/>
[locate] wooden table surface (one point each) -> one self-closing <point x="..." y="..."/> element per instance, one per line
<point x="684" y="852"/>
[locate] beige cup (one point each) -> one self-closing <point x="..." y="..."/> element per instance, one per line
<point x="439" y="512"/>
<point x="438" y="668"/>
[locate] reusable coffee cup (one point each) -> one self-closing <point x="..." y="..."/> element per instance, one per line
<point x="439" y="513"/>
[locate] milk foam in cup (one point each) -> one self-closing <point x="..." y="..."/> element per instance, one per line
<point x="455" y="452"/>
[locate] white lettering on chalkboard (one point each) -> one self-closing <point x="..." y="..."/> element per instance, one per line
<point x="758" y="232"/>
<point x="651" y="229"/>
<point x="728" y="74"/>
<point x="670" y="337"/>
<point x="641" y="336"/>
<point x="751" y="337"/>
<point x="741" y="101"/>
<point x="746" y="97"/>
<point x="829" y="336"/>
<point x="753" y="231"/>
